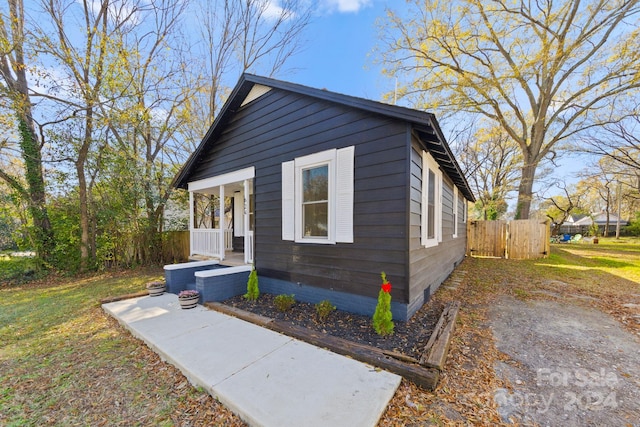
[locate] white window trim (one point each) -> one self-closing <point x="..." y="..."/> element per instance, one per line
<point x="465" y="210"/>
<point x="455" y="211"/>
<point x="340" y="216"/>
<point x="429" y="163"/>
<point x="307" y="162"/>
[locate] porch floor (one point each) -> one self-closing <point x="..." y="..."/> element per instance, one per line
<point x="231" y="259"/>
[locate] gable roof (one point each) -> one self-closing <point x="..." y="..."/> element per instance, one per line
<point x="250" y="87"/>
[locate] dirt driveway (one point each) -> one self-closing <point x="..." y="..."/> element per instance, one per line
<point x="564" y="364"/>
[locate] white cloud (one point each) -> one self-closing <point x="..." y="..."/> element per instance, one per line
<point x="271" y="9"/>
<point x="347" y="5"/>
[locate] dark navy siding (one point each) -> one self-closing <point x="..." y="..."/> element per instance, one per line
<point x="280" y="126"/>
<point x="429" y="267"/>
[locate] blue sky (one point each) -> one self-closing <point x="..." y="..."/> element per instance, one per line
<point x="338" y="50"/>
<point x="339" y="57"/>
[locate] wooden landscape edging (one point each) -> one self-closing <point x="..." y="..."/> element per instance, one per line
<point x="123" y="297"/>
<point x="424" y="376"/>
<point x="435" y="352"/>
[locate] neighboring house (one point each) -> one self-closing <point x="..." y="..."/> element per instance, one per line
<point x="569" y="224"/>
<point x="584" y="224"/>
<point x="328" y="190"/>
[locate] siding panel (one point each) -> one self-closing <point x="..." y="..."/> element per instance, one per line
<point x="281" y="126"/>
<point x="430" y="266"/>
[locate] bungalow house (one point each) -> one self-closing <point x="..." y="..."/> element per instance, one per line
<point x="322" y="191"/>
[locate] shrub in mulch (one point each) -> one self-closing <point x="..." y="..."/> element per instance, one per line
<point x="408" y="338"/>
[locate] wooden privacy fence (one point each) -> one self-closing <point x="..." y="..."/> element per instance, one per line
<point x="515" y="239"/>
<point x="138" y="248"/>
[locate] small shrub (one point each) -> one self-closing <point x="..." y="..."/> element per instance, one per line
<point x="382" y="322"/>
<point x="324" y="309"/>
<point x="253" y="292"/>
<point x="284" y="302"/>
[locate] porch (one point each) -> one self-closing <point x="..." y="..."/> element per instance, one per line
<point x="221" y="219"/>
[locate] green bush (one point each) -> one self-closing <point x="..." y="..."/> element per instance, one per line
<point x="253" y="292"/>
<point x="18" y="269"/>
<point x="284" y="302"/>
<point x="382" y="322"/>
<point x="324" y="309"/>
<point x="634" y="228"/>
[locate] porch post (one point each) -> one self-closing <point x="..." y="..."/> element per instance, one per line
<point x="247" y="239"/>
<point x="222" y="224"/>
<point x="192" y="214"/>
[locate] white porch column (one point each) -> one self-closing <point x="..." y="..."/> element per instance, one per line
<point x="192" y="213"/>
<point x="247" y="239"/>
<point x="222" y="223"/>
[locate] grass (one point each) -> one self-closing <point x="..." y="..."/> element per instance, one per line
<point x="603" y="276"/>
<point x="63" y="361"/>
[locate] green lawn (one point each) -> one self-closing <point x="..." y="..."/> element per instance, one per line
<point x="63" y="361"/>
<point x="610" y="270"/>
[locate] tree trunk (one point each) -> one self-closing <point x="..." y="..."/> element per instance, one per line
<point x="43" y="233"/>
<point x="13" y="71"/>
<point x="525" y="190"/>
<point x="83" y="193"/>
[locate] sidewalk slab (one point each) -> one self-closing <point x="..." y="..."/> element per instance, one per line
<point x="266" y="378"/>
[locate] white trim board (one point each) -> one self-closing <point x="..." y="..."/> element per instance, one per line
<point x="224" y="179"/>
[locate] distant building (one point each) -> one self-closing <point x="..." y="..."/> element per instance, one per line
<point x="582" y="224"/>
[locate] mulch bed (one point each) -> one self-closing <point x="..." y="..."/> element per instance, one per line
<point x="409" y="338"/>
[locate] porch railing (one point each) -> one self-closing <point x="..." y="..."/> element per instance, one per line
<point x="248" y="249"/>
<point x="206" y="241"/>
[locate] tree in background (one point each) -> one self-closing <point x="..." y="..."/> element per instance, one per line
<point x="15" y="87"/>
<point x="146" y="110"/>
<point x="559" y="208"/>
<point x="120" y="88"/>
<point x="542" y="71"/>
<point x="607" y="189"/>
<point x="620" y="143"/>
<point x="236" y="37"/>
<point x="491" y="161"/>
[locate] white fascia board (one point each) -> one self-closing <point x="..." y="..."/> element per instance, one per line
<point x="224" y="179"/>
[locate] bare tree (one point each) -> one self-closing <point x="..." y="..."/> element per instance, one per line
<point x="491" y="161"/>
<point x="248" y="35"/>
<point x="619" y="142"/>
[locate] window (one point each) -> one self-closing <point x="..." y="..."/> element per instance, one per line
<point x="464" y="211"/>
<point x="315" y="202"/>
<point x="431" y="201"/>
<point x="317" y="197"/>
<point x="455" y="211"/>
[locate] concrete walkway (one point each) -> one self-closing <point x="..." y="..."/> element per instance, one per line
<point x="266" y="378"/>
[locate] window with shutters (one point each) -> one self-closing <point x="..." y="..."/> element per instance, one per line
<point x="431" y="201"/>
<point x="317" y="197"/>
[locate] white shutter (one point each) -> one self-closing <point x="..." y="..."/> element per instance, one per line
<point x="288" y="204"/>
<point x="344" y="194"/>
